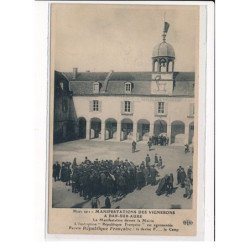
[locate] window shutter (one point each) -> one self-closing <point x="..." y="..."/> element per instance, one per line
<point x="91" y="106"/>
<point x="100" y="106"/>
<point x="165" y="108"/>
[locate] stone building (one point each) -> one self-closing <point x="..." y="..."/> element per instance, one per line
<point x="121" y="106"/>
<point x="65" y="120"/>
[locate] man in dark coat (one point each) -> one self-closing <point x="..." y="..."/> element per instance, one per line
<point x="190" y="174"/>
<point x="54" y="172"/>
<point x="153" y="174"/>
<point x="162" y="187"/>
<point x="107" y="202"/>
<point x="179" y="175"/>
<point x="140" y="179"/>
<point x="149" y="144"/>
<point x="156" y="159"/>
<point x="147" y="160"/>
<point x="133" y="146"/>
<point x="183" y="177"/>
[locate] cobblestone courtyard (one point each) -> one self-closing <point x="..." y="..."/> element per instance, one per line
<point x="146" y="197"/>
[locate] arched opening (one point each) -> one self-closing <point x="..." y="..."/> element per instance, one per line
<point x="110" y="128"/>
<point x="177" y="132"/>
<point x="170" y="66"/>
<point x="95" y="128"/>
<point x="160" y="126"/>
<point x="82" y="128"/>
<point x="163" y="65"/>
<point x="126" y="129"/>
<point x="191" y="133"/>
<point x="143" y="128"/>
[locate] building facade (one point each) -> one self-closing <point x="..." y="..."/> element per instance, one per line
<point x="123" y="106"/>
<point x="65" y="120"/>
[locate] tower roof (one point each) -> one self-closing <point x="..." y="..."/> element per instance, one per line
<point x="163" y="49"/>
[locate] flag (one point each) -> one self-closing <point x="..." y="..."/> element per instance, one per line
<point x="166" y="26"/>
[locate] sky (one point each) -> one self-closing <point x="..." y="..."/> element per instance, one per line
<point x="120" y="38"/>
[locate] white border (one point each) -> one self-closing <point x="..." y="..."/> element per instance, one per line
<point x="206" y="94"/>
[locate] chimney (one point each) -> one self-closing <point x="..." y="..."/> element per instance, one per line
<point x="74" y="73"/>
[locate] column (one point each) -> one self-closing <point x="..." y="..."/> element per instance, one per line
<point x="151" y="129"/>
<point x="103" y="132"/>
<point x="118" y="131"/>
<point x="87" y="129"/>
<point x="135" y="131"/>
<point x="172" y="66"/>
<point x="186" y="133"/>
<point x="158" y="66"/>
<point x="169" y="132"/>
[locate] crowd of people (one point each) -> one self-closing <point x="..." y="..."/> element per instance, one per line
<point x="105" y="177"/>
<point x="92" y="179"/>
<point x="161" y="140"/>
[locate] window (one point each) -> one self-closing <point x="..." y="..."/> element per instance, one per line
<point x="95" y="105"/>
<point x="96" y="87"/>
<point x="128" y="87"/>
<point x="127" y="106"/>
<point x="160" y="107"/>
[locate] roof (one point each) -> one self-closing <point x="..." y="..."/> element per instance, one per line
<point x="163" y="49"/>
<point x="83" y="84"/>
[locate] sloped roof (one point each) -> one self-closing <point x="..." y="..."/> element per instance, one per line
<point x="83" y="84"/>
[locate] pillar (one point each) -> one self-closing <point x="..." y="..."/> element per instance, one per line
<point x="186" y="133"/>
<point x="103" y="137"/>
<point x="135" y="131"/>
<point x="87" y="129"/>
<point x="151" y="129"/>
<point x="169" y="128"/>
<point x="153" y="65"/>
<point x="158" y="66"/>
<point x="118" y="131"/>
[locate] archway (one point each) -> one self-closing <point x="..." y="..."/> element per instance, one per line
<point x="110" y="128"/>
<point x="160" y="126"/>
<point x="143" y="128"/>
<point x="95" y="128"/>
<point x="82" y="127"/>
<point x="177" y="132"/>
<point x="126" y="129"/>
<point x="191" y="133"/>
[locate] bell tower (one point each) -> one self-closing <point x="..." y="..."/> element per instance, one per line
<point x="163" y="66"/>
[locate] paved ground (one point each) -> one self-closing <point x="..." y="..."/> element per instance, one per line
<point x="145" y="198"/>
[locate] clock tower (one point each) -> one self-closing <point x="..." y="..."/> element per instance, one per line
<point x="163" y="66"/>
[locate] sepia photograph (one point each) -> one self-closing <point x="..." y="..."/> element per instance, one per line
<point x="123" y="106"/>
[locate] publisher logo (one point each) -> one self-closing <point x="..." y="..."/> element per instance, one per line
<point x="188" y="222"/>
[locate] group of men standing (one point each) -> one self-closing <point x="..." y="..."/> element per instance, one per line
<point x="105" y="177"/>
<point x="92" y="179"/>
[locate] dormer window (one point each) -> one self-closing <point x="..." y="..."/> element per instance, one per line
<point x="96" y="87"/>
<point x="128" y="87"/>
